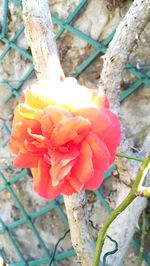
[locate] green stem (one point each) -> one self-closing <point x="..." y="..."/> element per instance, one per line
<point x="102" y="232"/>
<point x="131" y="196"/>
<point x="123" y="155"/>
<point x="140" y="257"/>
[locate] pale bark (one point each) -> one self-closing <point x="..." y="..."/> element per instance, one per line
<point x="38" y="29"/>
<point x="39" y="33"/>
<point x="117" y="55"/>
<point x="76" y="206"/>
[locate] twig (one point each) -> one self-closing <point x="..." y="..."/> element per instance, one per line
<point x="127" y="201"/>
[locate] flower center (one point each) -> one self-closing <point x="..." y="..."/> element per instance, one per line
<point x="55" y="154"/>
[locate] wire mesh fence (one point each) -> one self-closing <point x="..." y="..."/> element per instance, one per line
<point x="142" y="77"/>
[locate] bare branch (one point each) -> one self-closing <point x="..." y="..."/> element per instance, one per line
<point x="76" y="206"/>
<point x="120" y="48"/>
<point x="38" y="28"/>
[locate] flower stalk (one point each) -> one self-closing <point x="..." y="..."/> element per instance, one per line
<point x="135" y="191"/>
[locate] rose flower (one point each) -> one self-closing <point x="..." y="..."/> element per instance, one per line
<point x="66" y="134"/>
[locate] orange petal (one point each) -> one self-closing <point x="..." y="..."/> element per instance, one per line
<point x="58" y="174"/>
<point x="100" y="121"/>
<point x="100" y="152"/>
<point x="35" y="147"/>
<point x="42" y="182"/>
<point x="46" y="126"/>
<point x="100" y="159"/>
<point x="112" y="136"/>
<point x="52" y="115"/>
<point x="95" y="181"/>
<point x="57" y="113"/>
<point x="75" y="183"/>
<point x="27" y="160"/>
<point x="19" y="131"/>
<point x="74" y="128"/>
<point x="68" y="189"/>
<point x="83" y="169"/>
<point x="35" y="136"/>
<point x="61" y="159"/>
<point x="13" y="146"/>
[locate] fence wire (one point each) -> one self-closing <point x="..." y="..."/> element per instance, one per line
<point x="142" y="77"/>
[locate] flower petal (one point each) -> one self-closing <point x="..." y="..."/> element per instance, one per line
<point x="105" y="125"/>
<point x="83" y="169"/>
<point x="68" y="189"/>
<point x="42" y="182"/>
<point x="46" y="126"/>
<point x="27" y="160"/>
<point x="100" y="121"/>
<point x="60" y="159"/>
<point x="58" y="173"/>
<point x="100" y="159"/>
<point x="38" y="96"/>
<point x="75" y="183"/>
<point x="112" y="136"/>
<point x="57" y="113"/>
<point x="100" y="152"/>
<point x="95" y="181"/>
<point x="26" y="111"/>
<point x="20" y="131"/>
<point x="35" y="136"/>
<point x="74" y="128"/>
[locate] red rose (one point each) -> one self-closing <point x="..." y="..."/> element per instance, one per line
<point x="66" y="134"/>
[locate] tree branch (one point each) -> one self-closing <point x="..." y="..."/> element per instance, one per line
<point x="39" y="33"/>
<point x="120" y="48"/>
<point x="38" y="28"/>
<point x="115" y="59"/>
<point x="76" y="206"/>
